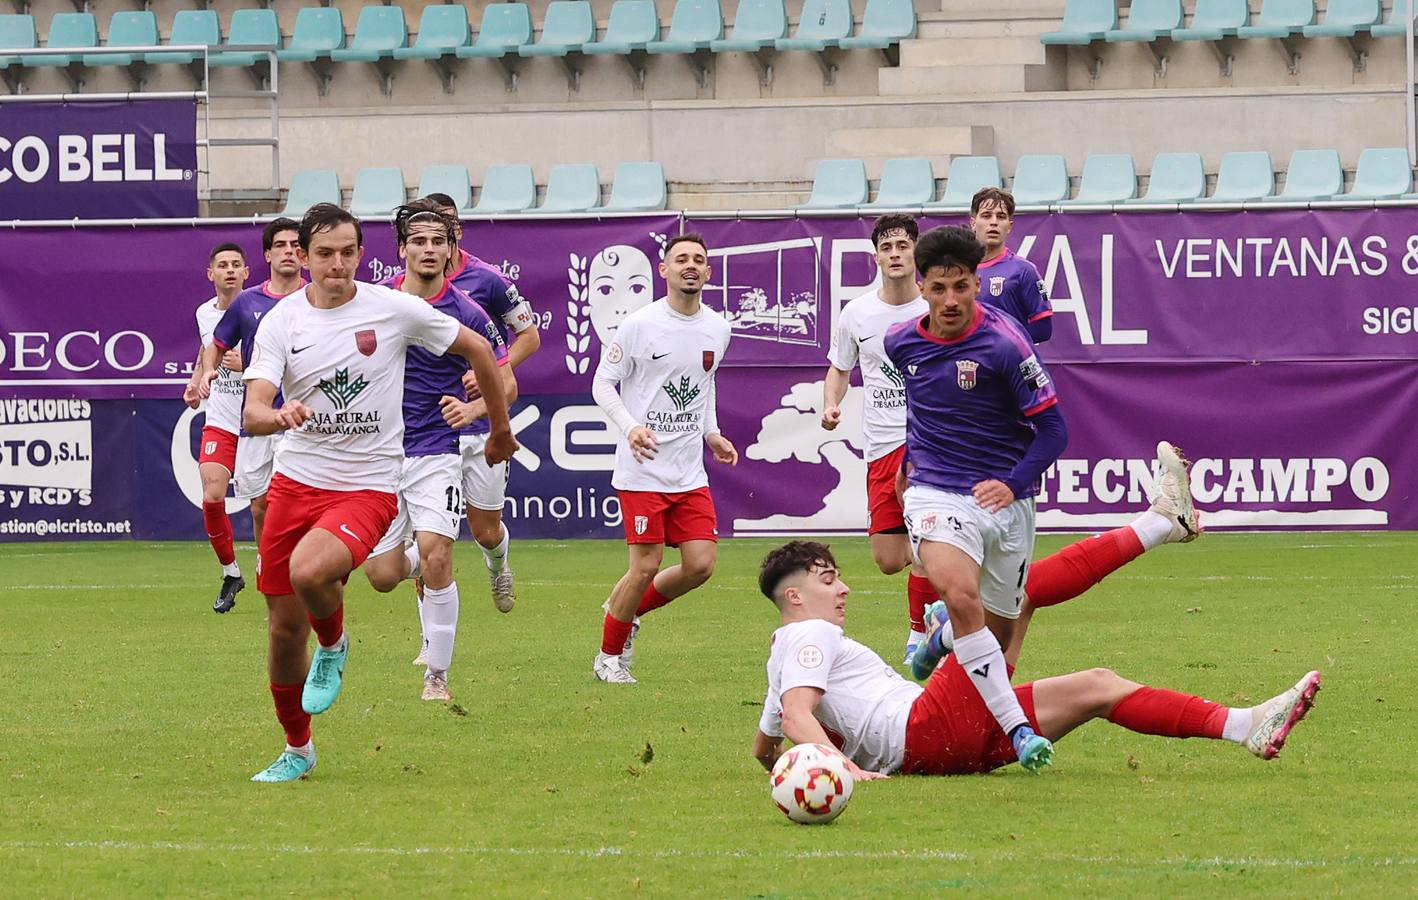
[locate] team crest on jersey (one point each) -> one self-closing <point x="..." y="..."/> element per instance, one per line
<point x="965" y="370"/>
<point x="708" y="360"/>
<point x="366" y="342"/>
<point x="641" y="524"/>
<point x="996" y="285"/>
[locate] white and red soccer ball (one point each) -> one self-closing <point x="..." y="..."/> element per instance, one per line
<point x="810" y="783"/>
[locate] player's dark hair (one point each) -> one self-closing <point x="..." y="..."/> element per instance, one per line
<point x="228" y="247"/>
<point x="326" y="217"/>
<point x="790" y="559"/>
<point x="894" y="222"/>
<point x="998" y="196"/>
<point x="949" y="247"/>
<point x="689" y="237"/>
<point x="275" y="227"/>
<point x="441" y="199"/>
<point x="421" y="211"/>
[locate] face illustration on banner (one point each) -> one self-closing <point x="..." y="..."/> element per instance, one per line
<point x="620" y="283"/>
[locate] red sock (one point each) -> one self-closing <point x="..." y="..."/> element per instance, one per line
<point x="329" y="629"/>
<point x="919" y="594"/>
<point x="651" y="600"/>
<point x="613" y="635"/>
<point x="219" y="531"/>
<point x="1077" y="567"/>
<point x="1149" y="710"/>
<point x="293" y="719"/>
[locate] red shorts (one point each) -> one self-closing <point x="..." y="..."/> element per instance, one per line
<point x="655" y="517"/>
<point x="218" y="446"/>
<point x="952" y="732"/>
<point x="884" y="511"/>
<point x="358" y="518"/>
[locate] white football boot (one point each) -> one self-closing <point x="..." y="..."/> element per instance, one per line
<point x="611" y="670"/>
<point x="1174" y="495"/>
<point x="1272" y="721"/>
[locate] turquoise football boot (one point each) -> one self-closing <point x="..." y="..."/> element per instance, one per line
<point x="322" y="683"/>
<point x="289" y="766"/>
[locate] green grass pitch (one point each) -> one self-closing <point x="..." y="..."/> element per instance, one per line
<point x="133" y="717"/>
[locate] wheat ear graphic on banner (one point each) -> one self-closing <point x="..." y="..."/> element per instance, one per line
<point x="578" y="316"/>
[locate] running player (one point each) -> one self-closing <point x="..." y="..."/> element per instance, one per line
<point x="336" y="350"/>
<point x="430" y="484"/>
<point x="820" y="679"/>
<point x="663" y="358"/>
<point x="485" y="487"/>
<point x="972" y="381"/>
<point x="216" y="461"/>
<point x="1008" y="282"/>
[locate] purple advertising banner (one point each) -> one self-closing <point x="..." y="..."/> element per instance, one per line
<point x="1294" y="394"/>
<point x="98" y="160"/>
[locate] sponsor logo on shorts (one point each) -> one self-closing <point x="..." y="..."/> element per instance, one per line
<point x="965" y="373"/>
<point x="209" y="448"/>
<point x="928" y="523"/>
<point x="810" y="656"/>
<point x="346" y="529"/>
<point x="642" y="523"/>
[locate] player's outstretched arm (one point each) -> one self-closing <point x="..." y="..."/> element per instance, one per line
<point x="801" y="727"/>
<point x="478" y="352"/>
<point x="834" y="388"/>
<point x="767" y="749"/>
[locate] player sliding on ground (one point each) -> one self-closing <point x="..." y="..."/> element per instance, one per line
<point x="819" y="679"/>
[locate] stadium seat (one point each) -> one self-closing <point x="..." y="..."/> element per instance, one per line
<point x="504" y="28"/>
<point x="1312" y="175"/>
<point x="1280" y="18"/>
<point x="1148" y="20"/>
<point x="1345" y="18"/>
<point x="904" y="183"/>
<point x="1107" y="178"/>
<point x="967" y="175"/>
<point x="1175" y="178"/>
<point x="190" y="28"/>
<point x="1039" y="180"/>
<point x="1084" y="21"/>
<point x="319" y="30"/>
<point x="572" y="187"/>
<point x="638" y="186"/>
<point x="17" y="32"/>
<point x="126" y="29"/>
<point x="885" y="24"/>
<point x="451" y="180"/>
<point x="76" y="30"/>
<point x="249" y="28"/>
<point x="1216" y="22"/>
<point x="823" y="24"/>
<point x="569" y="25"/>
<point x="694" y="26"/>
<point x="758" y="24"/>
<point x="507" y="189"/>
<point x="633" y="25"/>
<point x="379" y="32"/>
<point x="310" y="187"/>
<point x="1244" y="175"/>
<point x="443" y="28"/>
<point x="377" y="191"/>
<point x="1383" y="174"/>
<point x="838" y="184"/>
<point x="1395" y="26"/>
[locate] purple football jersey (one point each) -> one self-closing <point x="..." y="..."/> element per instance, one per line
<point x="240" y="321"/>
<point x="427" y="377"/>
<point x="967" y="399"/>
<point x="1011" y="283"/>
<point x="488" y="288"/>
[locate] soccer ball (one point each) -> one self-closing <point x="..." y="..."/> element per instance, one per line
<point x="810" y="784"/>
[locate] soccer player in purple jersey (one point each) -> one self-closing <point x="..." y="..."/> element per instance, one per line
<point x="982" y="425"/>
<point x="430" y="486"/>
<point x="485" y="487"/>
<point x="1008" y="282"/>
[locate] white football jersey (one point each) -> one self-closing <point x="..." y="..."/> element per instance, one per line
<point x="864" y="700"/>
<point x="224" y="403"/>
<point x="347" y="365"/>
<point x="857" y="338"/>
<point x="665" y="364"/>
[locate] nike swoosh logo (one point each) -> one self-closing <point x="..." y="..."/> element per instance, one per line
<point x="346" y="529"/>
<point x="659" y="355"/>
<point x="302" y="349"/>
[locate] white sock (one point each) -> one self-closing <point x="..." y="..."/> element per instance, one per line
<point x="1238" y="725"/>
<point x="440" y="612"/>
<point x="306" y="750"/>
<point x="423" y="624"/>
<point x="342" y="642"/>
<point x="231" y="570"/>
<point x="411" y="556"/>
<point x="980" y="656"/>
<point x="915" y="637"/>
<point x="1152" y="529"/>
<point x="496" y="558"/>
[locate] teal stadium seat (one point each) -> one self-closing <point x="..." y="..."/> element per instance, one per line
<point x="1395" y="26"/>
<point x="1040" y="180"/>
<point x="1214" y="20"/>
<point x="126" y="29"/>
<point x="451" y="180"/>
<point x="838" y="184"/>
<point x="1346" y="18"/>
<point x="190" y="28"/>
<point x="885" y="23"/>
<point x="904" y="183"/>
<point x="694" y="25"/>
<point x="75" y="30"/>
<point x="1244" y="175"/>
<point x="378" y="191"/>
<point x="17" y="32"/>
<point x="507" y="189"/>
<point x="249" y="28"/>
<point x="572" y="187"/>
<point x="443" y="28"/>
<point x="319" y="31"/>
<point x="569" y="25"/>
<point x="379" y="31"/>
<point x="967" y="175"/>
<point x="633" y="25"/>
<point x="638" y="186"/>
<point x="310" y="187"/>
<point x="1383" y="174"/>
<point x="1084" y="21"/>
<point x="1107" y="178"/>
<point x="1312" y="175"/>
<point x="758" y="25"/>
<point x="824" y="24"/>
<point x="505" y="27"/>
<point x="1148" y="20"/>
<point x="1280" y="19"/>
<point x="1175" y="178"/>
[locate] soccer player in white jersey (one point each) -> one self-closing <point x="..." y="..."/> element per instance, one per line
<point x="822" y="684"/>
<point x="663" y="358"/>
<point x="857" y="341"/>
<point x="336" y="351"/>
<point x="216" y="460"/>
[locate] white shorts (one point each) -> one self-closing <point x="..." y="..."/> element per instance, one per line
<point x="1001" y="543"/>
<point x="430" y="499"/>
<point x="484" y="486"/>
<point x="255" y="464"/>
